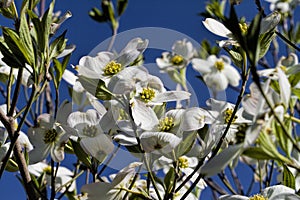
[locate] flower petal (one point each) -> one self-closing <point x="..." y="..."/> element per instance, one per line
<point x="202" y="66"/>
<point x="216" y="27"/>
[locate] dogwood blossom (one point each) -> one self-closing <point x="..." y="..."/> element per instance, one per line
<point x="105" y="64"/>
<point x="91" y="136"/>
<point x="111" y="190"/>
<point x="63" y="177"/>
<point x="182" y="53"/>
<point x="283" y="5"/>
<point x="270" y="193"/>
<point x="50" y="135"/>
<point x="217" y="72"/>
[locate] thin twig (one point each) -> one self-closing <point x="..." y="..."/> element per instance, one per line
<point x="214" y="186"/>
<point x="237" y="182"/>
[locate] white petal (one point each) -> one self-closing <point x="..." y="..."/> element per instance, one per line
<point x="125" y="140"/>
<point x="202" y="66"/>
<point x="143" y="116"/>
<point x="171" y="96"/>
<point x="162" y="141"/>
<point x="98" y="146"/>
<point x="232" y="75"/>
<point x="24" y="141"/>
<point x="285" y="87"/>
<point x="216" y="81"/>
<point x="216" y="27"/>
<point x="193" y="119"/>
<point x="69" y="77"/>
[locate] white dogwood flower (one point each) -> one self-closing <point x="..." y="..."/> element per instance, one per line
<point x="217" y="72"/>
<point x="106" y="64"/>
<point x="283" y="5"/>
<point x="50" y="136"/>
<point x="91" y="136"/>
<point x="182" y="53"/>
<point x="63" y="176"/>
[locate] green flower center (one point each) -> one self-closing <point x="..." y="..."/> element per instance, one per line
<point x="183" y="162"/>
<point x="47" y="170"/>
<point x="177" y="60"/>
<point x="227" y="115"/>
<point x="50" y="136"/>
<point x="258" y="197"/>
<point x="219" y="65"/>
<point x="147" y="94"/>
<point x="166" y="124"/>
<point x="112" y="68"/>
<point x="90" y="130"/>
<point x="243" y="27"/>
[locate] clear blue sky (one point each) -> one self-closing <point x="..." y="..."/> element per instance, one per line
<point x="85" y="33"/>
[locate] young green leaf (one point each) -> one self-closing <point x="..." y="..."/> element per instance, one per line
<point x="121" y="6"/>
<point x="169" y="180"/>
<point x="96" y="87"/>
<point x="288" y="177"/>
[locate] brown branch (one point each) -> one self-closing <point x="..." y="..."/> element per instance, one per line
<point x="9" y="124"/>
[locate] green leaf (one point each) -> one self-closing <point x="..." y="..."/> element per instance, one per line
<point x="109" y="12"/>
<point x="80" y="153"/>
<point x="60" y="69"/>
<point x="252" y="38"/>
<point x="296" y="91"/>
<point x="97" y="15"/>
<point x="236" y="57"/>
<point x="15" y="46"/>
<point x="288" y="177"/>
<point x="233" y="25"/>
<point x="268" y="146"/>
<point x="220" y="161"/>
<point x="9" y="58"/>
<point x="297" y="33"/>
<point x="46" y="23"/>
<point x="284" y="142"/>
<point x="169" y="180"/>
<point x="187" y="143"/>
<point x="58" y="45"/>
<point x="121" y="6"/>
<point x="265" y="40"/>
<point x="25" y="38"/>
<point x="294" y="79"/>
<point x="96" y="87"/>
<point x="257" y="153"/>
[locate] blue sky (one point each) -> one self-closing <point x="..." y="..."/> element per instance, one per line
<point x="85" y="33"/>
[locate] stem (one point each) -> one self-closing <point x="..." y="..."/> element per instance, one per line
<point x="269" y="178"/>
<point x="214" y="186"/>
<point x="294" y="119"/>
<point x="226" y="182"/>
<point x="133" y="181"/>
<point x="16" y="93"/>
<point x="151" y="176"/>
<point x="287" y="41"/>
<point x="238" y="102"/>
<point x="52" y="181"/>
<point x="9" y="124"/>
<point x="237" y="182"/>
<point x="9" y="85"/>
<point x="113" y="38"/>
